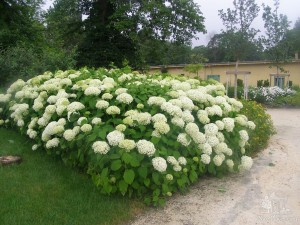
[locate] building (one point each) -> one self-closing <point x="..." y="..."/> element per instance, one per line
<point x="259" y="70"/>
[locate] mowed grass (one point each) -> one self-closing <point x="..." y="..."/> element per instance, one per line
<point x="42" y="190"/>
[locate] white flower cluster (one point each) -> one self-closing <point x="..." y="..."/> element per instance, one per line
<point x="102" y="104"/>
<point x="115" y="137"/>
<point x="100" y="147"/>
<point x="125" y="98"/>
<point x="184" y="139"/>
<point x="145" y="147"/>
<point x="159" y="164"/>
<point x="127" y="144"/>
<point x="113" y="110"/>
<point x="246" y="163"/>
<point x="92" y="91"/>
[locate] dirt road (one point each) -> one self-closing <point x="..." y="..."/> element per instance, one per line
<point x="268" y="194"/>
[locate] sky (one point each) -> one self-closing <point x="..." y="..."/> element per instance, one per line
<point x="213" y="23"/>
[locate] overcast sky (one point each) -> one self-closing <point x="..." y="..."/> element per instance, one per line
<point x="213" y="23"/>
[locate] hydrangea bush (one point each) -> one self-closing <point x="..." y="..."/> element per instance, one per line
<point x="268" y="94"/>
<point x="138" y="135"/>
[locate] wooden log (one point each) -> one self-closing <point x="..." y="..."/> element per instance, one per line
<point x="7" y="160"/>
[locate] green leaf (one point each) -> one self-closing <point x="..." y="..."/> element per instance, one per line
<point x="143" y="171"/>
<point x="193" y="176"/>
<point x="123" y="187"/>
<point x="116" y="164"/>
<point x="212" y="169"/>
<point x="147" y="182"/>
<point x="102" y="134"/>
<point x="129" y="176"/>
<point x="104" y="173"/>
<point x="155" y="140"/>
<point x="155" y="177"/>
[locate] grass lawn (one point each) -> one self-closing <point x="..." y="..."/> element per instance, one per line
<point x="42" y="190"/>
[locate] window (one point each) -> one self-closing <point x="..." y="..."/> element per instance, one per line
<point x="214" y="77"/>
<point x="279" y="82"/>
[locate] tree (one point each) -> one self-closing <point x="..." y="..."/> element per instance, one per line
<point x="239" y="37"/>
<point x="275" y="40"/>
<point x="19" y="23"/>
<point x="293" y="38"/>
<point x="118" y="29"/>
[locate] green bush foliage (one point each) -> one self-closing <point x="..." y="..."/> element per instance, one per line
<point x="136" y="135"/>
<point x="264" y="126"/>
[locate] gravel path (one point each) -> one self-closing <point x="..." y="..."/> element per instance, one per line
<point x="268" y="194"/>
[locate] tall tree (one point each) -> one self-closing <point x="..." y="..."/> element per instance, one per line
<point x="293" y="37"/>
<point x="238" y="35"/>
<point x="117" y="29"/>
<point x="19" y="23"/>
<point x="275" y="40"/>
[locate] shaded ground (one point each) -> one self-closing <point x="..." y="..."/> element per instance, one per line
<point x="268" y="194"/>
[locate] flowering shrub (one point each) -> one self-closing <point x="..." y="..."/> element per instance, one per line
<point x="133" y="134"/>
<point x="264" y="126"/>
<point x="268" y="94"/>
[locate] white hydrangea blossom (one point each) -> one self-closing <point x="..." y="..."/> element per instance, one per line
<point x="187" y="103"/>
<point x="86" y="128"/>
<point x="220" y="136"/>
<point x="159" y="164"/>
<point x="183" y="139"/>
<point x="206" y="148"/>
<point x="155" y="133"/>
<point x="182" y="161"/>
<point x="205" y="159"/>
<point x="127" y="144"/>
<point x="169" y="177"/>
<point x="246" y="163"/>
<point x="81" y="120"/>
<point x="121" y="127"/>
<point x="107" y="96"/>
<point x="220" y="148"/>
<point x="177" y="168"/>
<point x="220" y="125"/>
<point x="96" y="121"/>
<point x="230" y="164"/>
<point x="240" y="120"/>
<point x="92" y="91"/>
<point x="171" y="109"/>
<point x="203" y="117"/>
<point x="121" y="91"/>
<point x="218" y="160"/>
<point x="178" y="121"/>
<point x="125" y="98"/>
<point x="145" y="147"/>
<point x="102" y="104"/>
<point x="212" y="140"/>
<point x="172" y="160"/>
<point x="115" y="137"/>
<point x="162" y="127"/>
<point x="52" y="143"/>
<point x="153" y="100"/>
<point x="142" y="118"/>
<point x="112" y="110"/>
<point x="34" y="147"/>
<point x="187" y="116"/>
<point x="228" y="124"/>
<point x="244" y="135"/>
<point x="251" y="125"/>
<point x="159" y="117"/>
<point x="211" y="129"/>
<point x="100" y="147"/>
<point x="75" y="106"/>
<point x="69" y="135"/>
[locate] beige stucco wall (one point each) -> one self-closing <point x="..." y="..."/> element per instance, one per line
<point x="259" y="71"/>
